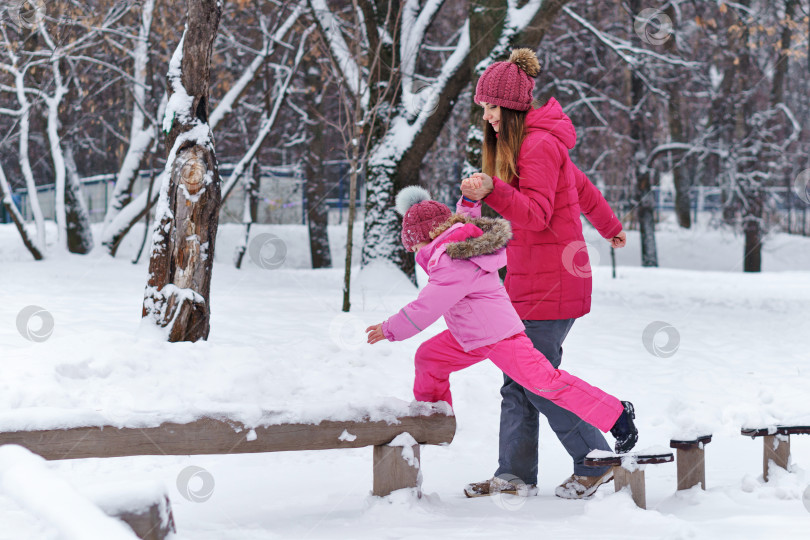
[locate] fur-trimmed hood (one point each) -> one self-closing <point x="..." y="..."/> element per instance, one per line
<point x="481" y="241"/>
<point x="496" y="234"/>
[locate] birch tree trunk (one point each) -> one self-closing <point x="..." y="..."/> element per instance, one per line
<point x="16" y="217"/>
<point x="141" y="133"/>
<point x="177" y="294"/>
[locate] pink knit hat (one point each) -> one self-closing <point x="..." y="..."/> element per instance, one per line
<point x="509" y="84"/>
<point x="420" y="215"/>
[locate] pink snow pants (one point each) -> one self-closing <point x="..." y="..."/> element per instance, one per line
<point x="442" y="355"/>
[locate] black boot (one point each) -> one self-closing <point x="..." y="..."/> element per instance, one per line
<point x="625" y="430"/>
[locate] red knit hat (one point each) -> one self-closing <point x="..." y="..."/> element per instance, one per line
<point x="420" y="215"/>
<point x="509" y="84"/>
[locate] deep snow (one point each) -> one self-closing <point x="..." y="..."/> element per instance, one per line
<point x="279" y="343"/>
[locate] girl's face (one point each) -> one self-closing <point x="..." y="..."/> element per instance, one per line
<point x="492" y="114"/>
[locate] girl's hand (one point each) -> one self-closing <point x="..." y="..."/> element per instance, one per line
<point x="476" y="187"/>
<point x="375" y="334"/>
<point x="619" y="241"/>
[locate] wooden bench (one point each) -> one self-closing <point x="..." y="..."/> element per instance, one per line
<point x="691" y="461"/>
<point x="431" y="425"/>
<point x="775" y="444"/>
<point x="628" y="470"/>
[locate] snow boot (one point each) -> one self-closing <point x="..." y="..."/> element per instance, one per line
<point x="511" y="485"/>
<point x="624" y="430"/>
<point x="580" y="487"/>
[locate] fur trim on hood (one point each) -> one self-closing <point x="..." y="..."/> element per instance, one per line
<point x="497" y="233"/>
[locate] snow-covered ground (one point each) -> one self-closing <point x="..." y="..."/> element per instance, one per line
<point x="280" y="348"/>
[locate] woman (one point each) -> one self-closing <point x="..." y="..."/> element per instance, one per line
<point x="529" y="179"/>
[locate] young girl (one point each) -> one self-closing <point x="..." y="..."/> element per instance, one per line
<point x="461" y="256"/>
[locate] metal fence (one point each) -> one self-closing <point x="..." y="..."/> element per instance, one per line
<point x="282" y="199"/>
<point x="281" y="196"/>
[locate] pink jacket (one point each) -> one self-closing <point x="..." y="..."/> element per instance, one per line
<point x="548" y="272"/>
<point x="462" y="265"/>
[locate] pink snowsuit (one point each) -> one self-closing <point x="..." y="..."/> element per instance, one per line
<point x="462" y="265"/>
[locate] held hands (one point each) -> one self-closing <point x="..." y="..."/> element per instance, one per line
<point x="619" y="241"/>
<point x="477" y="186"/>
<point x="375" y="334"/>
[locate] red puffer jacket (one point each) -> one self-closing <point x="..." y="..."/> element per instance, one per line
<point x="548" y="272"/>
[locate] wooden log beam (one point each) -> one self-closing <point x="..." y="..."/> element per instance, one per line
<point x="215" y="436"/>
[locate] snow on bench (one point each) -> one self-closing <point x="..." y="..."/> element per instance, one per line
<point x="775" y="444"/>
<point x="628" y="469"/>
<point x="426" y="423"/>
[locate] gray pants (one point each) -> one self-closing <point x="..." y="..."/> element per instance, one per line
<point x="520" y="420"/>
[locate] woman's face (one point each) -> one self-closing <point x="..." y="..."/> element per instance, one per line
<point x="492" y="114"/>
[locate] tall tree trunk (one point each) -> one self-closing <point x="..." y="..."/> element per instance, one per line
<point x="752" y="191"/>
<point x="645" y="209"/>
<point x="79" y="234"/>
<point x="681" y="180"/>
<point x="177" y="294"/>
<point x="316" y="191"/>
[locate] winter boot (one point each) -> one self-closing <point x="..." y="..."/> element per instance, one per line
<point x="580" y="487"/>
<point x="512" y="485"/>
<point x="624" y="430"/>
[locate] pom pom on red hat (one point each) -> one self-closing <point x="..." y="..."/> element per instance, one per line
<point x="420" y="215"/>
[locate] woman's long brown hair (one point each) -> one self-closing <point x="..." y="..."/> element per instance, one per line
<point x="499" y="156"/>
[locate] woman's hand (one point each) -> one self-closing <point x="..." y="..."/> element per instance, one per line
<point x="375" y="334"/>
<point x="477" y="186"/>
<point x="619" y="241"/>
